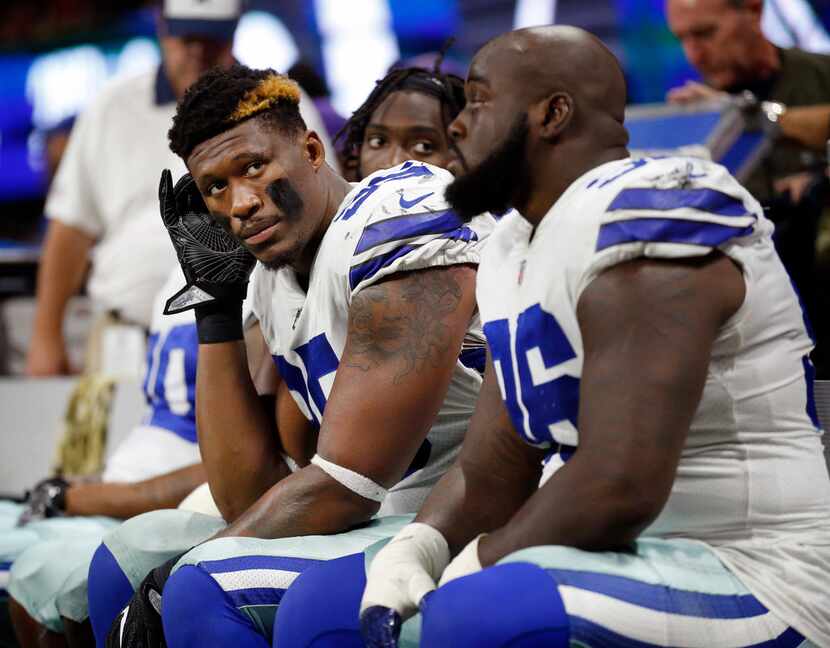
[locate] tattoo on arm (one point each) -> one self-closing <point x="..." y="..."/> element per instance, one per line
<point x="404" y="319"/>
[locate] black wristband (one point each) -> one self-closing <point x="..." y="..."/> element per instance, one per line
<point x="219" y="321"/>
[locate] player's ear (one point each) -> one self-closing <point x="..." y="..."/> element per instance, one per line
<point x="314" y="150"/>
<point x="552" y="114"/>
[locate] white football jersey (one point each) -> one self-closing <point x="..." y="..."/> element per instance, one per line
<point x="394" y="221"/>
<point x="752" y="474"/>
<point x="165" y="440"/>
<point x="170" y="378"/>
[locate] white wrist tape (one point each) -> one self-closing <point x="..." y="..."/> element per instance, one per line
<point x="406" y="569"/>
<point x="355" y="482"/>
<point x="464" y="564"/>
<point x="428" y="543"/>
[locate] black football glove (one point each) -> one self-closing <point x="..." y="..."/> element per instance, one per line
<point x="216" y="266"/>
<point x="139" y="624"/>
<point x="47" y="499"/>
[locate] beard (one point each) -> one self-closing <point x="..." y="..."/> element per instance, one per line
<point x="291" y="248"/>
<point x="496" y="183"/>
<point x="283" y="259"/>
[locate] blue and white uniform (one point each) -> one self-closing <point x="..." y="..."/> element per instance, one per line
<point x="394" y="221"/>
<point x="740" y="554"/>
<point x="166" y="438"/>
<point x="163" y="442"/>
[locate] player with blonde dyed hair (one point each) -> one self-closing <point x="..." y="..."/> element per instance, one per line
<point x="364" y="296"/>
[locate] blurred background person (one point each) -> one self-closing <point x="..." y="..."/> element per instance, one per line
<point x="102" y="204"/>
<point x="55" y="141"/>
<point x="57" y="529"/>
<point x="724" y="41"/>
<point x="12" y="347"/>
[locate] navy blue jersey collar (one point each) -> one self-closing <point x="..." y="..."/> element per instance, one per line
<point x="163" y="91"/>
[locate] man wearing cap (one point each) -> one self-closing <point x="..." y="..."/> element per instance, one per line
<point x="102" y="206"/>
<point x="104" y="202"/>
<point x="132" y="255"/>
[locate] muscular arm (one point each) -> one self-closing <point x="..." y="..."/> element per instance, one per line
<point x="648" y="329"/>
<point x="62" y="266"/>
<point x="298" y="436"/>
<point x="122" y="500"/>
<point x="493" y="476"/>
<point x="402" y="345"/>
<point x="237" y="428"/>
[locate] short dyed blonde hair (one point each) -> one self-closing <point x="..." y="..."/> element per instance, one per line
<point x="273" y="88"/>
<point x="223" y="98"/>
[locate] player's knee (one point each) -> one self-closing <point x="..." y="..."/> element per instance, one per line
<point x="516" y="605"/>
<point x="321" y="608"/>
<point x="196" y="611"/>
<point x="188" y="593"/>
<point x="109" y="592"/>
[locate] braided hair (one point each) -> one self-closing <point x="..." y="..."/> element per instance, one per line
<point x="447" y="88"/>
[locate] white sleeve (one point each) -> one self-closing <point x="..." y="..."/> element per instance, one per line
<point x="257" y="301"/>
<point x="249" y="315"/>
<point x="699" y="213"/>
<point x="71" y="198"/>
<point x="428" y="235"/>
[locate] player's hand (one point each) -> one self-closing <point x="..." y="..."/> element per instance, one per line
<point x="216" y="266"/>
<point x="465" y="563"/>
<point x="401" y="574"/>
<point x="139" y="624"/>
<point x="694" y="92"/>
<point x="47" y="499"/>
<point x="796" y="185"/>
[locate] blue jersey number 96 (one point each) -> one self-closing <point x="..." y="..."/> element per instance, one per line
<point x="533" y="370"/>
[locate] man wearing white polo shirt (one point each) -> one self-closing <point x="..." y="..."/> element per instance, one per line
<point x="102" y="206"/>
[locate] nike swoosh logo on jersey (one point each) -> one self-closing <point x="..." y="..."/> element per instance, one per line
<point x="409" y="204"/>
